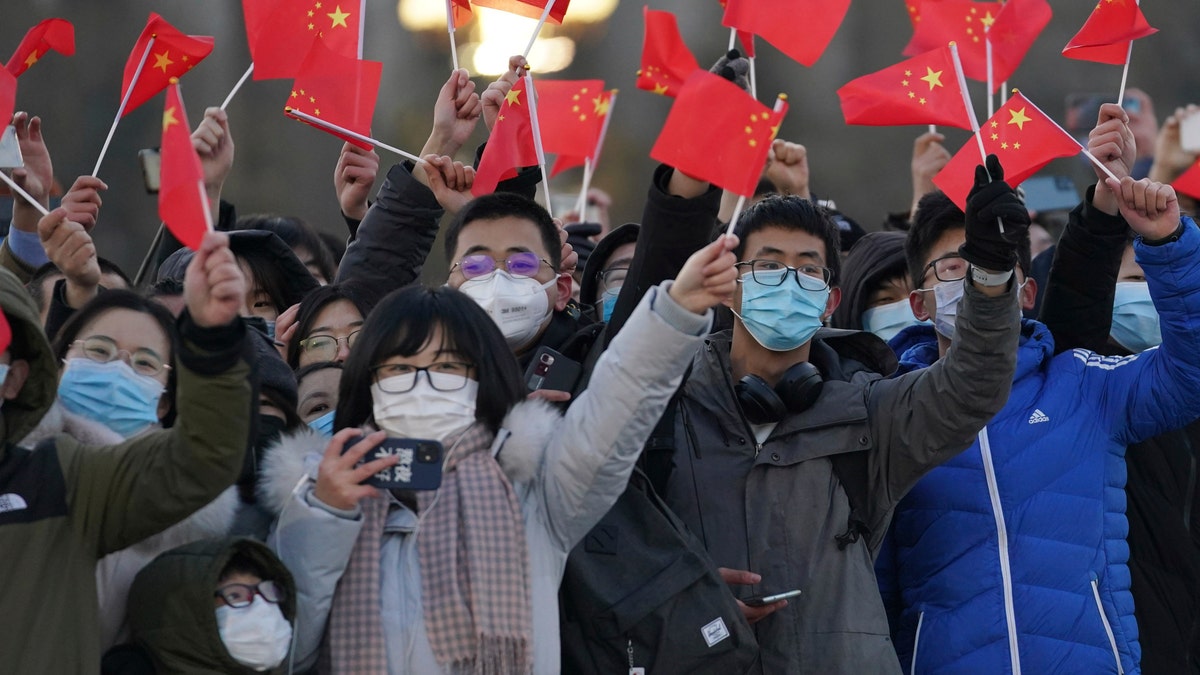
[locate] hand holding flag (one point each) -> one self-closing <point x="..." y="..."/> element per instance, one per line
<point x="510" y="146"/>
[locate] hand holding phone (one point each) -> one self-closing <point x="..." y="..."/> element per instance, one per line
<point x="764" y="600"/>
<point x="418" y="465"/>
<point x="1189" y="132"/>
<point x="551" y="370"/>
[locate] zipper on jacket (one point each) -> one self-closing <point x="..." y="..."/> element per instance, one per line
<point x="912" y="666"/>
<point x="1010" y="618"/>
<point x="1112" y="639"/>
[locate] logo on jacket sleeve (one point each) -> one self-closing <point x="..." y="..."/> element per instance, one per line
<point x="1038" y="417"/>
<point x="12" y="502"/>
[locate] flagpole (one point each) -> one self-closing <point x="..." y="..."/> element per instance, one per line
<point x="1125" y="71"/>
<point x="753" y="80"/>
<point x="124" y="102"/>
<point x="24" y="195"/>
<point x="612" y="103"/>
<point x="236" y="87"/>
<point x="780" y="101"/>
<point x="208" y="221"/>
<point x="581" y="203"/>
<point x="991" y="89"/>
<point x="933" y="128"/>
<point x="962" y="85"/>
<point x="538" y="29"/>
<point x="1004" y="92"/>
<point x="537" y="135"/>
<point x="732" y="39"/>
<point x="362" y="26"/>
<point x="145" y="266"/>
<point x="317" y="121"/>
<point x="450" y="30"/>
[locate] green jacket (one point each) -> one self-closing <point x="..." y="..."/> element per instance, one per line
<point x="63" y="506"/>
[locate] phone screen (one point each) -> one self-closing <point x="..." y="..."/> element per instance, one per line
<point x="1189" y="133"/>
<point x="151" y="169"/>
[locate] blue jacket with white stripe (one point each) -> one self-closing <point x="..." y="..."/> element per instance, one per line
<point x="1011" y="557"/>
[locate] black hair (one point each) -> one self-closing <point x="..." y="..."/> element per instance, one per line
<point x="266" y="276"/>
<point x="38" y="280"/>
<point x="167" y="286"/>
<point x="793" y="213"/>
<point x="402" y="324"/>
<point x="314" y="302"/>
<point x="311" y="368"/>
<point x="936" y="215"/>
<point x="109" y="267"/>
<point x="119" y="298"/>
<point x="504" y="205"/>
<point x="295" y="233"/>
<point x="240" y="563"/>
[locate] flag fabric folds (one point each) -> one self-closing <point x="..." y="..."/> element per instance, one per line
<point x="802" y="29"/>
<point x="510" y="145"/>
<point x="921" y="90"/>
<point x="461" y="11"/>
<point x="1106" y="35"/>
<point x="963" y="22"/>
<point x="666" y="59"/>
<point x="281" y="32"/>
<point x="8" y="97"/>
<point x="570" y="116"/>
<point x="1021" y="135"/>
<point x="56" y="34"/>
<point x="747" y="39"/>
<point x="602" y="105"/>
<point x="532" y="9"/>
<point x="182" y="203"/>
<point x="337" y="89"/>
<point x="1016" y="28"/>
<point x="718" y="133"/>
<point x="1188" y="182"/>
<point x="172" y="54"/>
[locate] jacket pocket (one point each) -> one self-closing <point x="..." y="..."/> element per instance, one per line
<point x="1112" y="639"/>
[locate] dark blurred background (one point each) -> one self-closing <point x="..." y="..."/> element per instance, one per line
<point x="286" y="167"/>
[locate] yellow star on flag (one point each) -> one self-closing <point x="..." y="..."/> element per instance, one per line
<point x="660" y="89"/>
<point x="1016" y="146"/>
<point x="169" y="118"/>
<point x="934" y="79"/>
<point x="31" y="59"/>
<point x="1003" y="145"/>
<point x="1019" y="118"/>
<point x="601" y="103"/>
<point x="513" y="97"/>
<point x="338" y="17"/>
<point x="162" y="61"/>
<point x="988" y="19"/>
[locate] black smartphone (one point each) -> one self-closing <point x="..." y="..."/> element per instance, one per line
<point x="420" y="466"/>
<point x="151" y="162"/>
<point x="764" y="600"/>
<point x="551" y="370"/>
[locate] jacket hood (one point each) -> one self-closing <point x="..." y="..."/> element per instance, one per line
<point x="918" y="347"/>
<point x="874" y="258"/>
<point x="625" y="234"/>
<point x="29" y="343"/>
<point x="171" y="610"/>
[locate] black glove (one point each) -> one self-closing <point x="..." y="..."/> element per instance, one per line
<point x="735" y="68"/>
<point x="990" y="200"/>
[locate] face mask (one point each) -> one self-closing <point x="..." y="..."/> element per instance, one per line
<point x="518" y="305"/>
<point x="111" y="394"/>
<point x="1135" y="321"/>
<point x="271" y="330"/>
<point x="256" y="636"/>
<point x="424" y="412"/>
<point x="324" y="424"/>
<point x="610" y="303"/>
<point x="947" y="294"/>
<point x="888" y="320"/>
<point x="783" y="317"/>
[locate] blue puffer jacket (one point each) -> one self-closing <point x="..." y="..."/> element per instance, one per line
<point x="1013" y="554"/>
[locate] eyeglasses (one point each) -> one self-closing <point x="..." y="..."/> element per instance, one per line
<point x="773" y="273"/>
<point x="613" y="278"/>
<point x="950" y="267"/>
<point x="326" y="346"/>
<point x="400" y="378"/>
<point x="103" y="349"/>
<point x="523" y="264"/>
<point x="241" y="595"/>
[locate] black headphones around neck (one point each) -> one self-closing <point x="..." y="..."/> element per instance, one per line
<point x="796" y="391"/>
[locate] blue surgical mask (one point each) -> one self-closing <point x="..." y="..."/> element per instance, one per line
<point x="783" y="317"/>
<point x="609" y="303"/>
<point x="1135" y="321"/>
<point x="323" y="424"/>
<point x="888" y="320"/>
<point x="111" y="394"/>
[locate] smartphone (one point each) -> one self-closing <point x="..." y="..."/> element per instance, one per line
<point x="764" y="600"/>
<point x="420" y="466"/>
<point x="551" y="370"/>
<point x="1050" y="193"/>
<point x="1189" y="133"/>
<point x="151" y="162"/>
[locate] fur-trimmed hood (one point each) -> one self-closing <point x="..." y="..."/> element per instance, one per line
<point x="296" y="455"/>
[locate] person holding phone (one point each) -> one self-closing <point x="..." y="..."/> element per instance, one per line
<point x="465" y="577"/>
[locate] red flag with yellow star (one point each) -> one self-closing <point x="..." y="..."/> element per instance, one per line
<point x="666" y="59"/>
<point x="280" y="32"/>
<point x="182" y="202"/>
<point x="1021" y="135"/>
<point x="570" y="116"/>
<point x="1016" y="28"/>
<point x="1188" y="182"/>
<point x="921" y="90"/>
<point x="914" y="10"/>
<point x="1106" y="35"/>
<point x="718" y="133"/>
<point x="963" y="22"/>
<point x="56" y="34"/>
<point x="510" y="145"/>
<point x="338" y="90"/>
<point x="8" y="96"/>
<point x="171" y="55"/>
<point x="532" y="9"/>
<point x="802" y="29"/>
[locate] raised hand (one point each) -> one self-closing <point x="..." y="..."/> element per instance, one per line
<point x="568" y="256"/>
<point x="1151" y="208"/>
<point x="990" y="202"/>
<point x="494" y="95"/>
<point x="69" y="246"/>
<point x="928" y="158"/>
<point x="214" y="143"/>
<point x="214" y="288"/>
<point x="1170" y="159"/>
<point x="83" y="202"/>
<point x="353" y="178"/>
<point x="285" y="329"/>
<point x="744" y="578"/>
<point x="36" y="177"/>
<point x="787" y="168"/>
<point x="708" y="277"/>
<point x="449" y="180"/>
<point x="1113" y="144"/>
<point x="339" y="481"/>
<point x="455" y="115"/>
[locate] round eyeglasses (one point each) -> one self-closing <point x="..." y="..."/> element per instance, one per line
<point x="241" y="595"/>
<point x="103" y="349"/>
<point x="774" y="273"/>
<point x="523" y="264"/>
<point x="400" y="378"/>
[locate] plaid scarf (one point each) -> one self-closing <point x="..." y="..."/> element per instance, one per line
<point x="474" y="574"/>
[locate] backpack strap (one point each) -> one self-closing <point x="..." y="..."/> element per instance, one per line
<point x="851" y="471"/>
<point x="658" y="455"/>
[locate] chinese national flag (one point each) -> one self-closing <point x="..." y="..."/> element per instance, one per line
<point x="510" y="145"/>
<point x="747" y="39"/>
<point x="921" y="90"/>
<point x="1021" y="135"/>
<point x="1188" y="182"/>
<point x="1016" y="28"/>
<point x="337" y="89"/>
<point x="718" y="133"/>
<point x="171" y="55"/>
<point x="570" y="115"/>
<point x="960" y="21"/>
<point x="461" y="11"/>
<point x="1106" y="35"/>
<point x="56" y="34"/>
<point x="528" y="8"/>
<point x="602" y="105"/>
<point x="182" y="202"/>
<point x="666" y="60"/>
<point x="914" y="10"/>
<point x="281" y="32"/>
<point x="8" y="97"/>
<point x="802" y="29"/>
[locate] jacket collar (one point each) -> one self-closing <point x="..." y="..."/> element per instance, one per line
<point x="918" y="348"/>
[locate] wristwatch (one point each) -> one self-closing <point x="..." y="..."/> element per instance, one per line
<point x="985" y="278"/>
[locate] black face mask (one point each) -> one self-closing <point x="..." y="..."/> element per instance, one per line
<point x="270" y="428"/>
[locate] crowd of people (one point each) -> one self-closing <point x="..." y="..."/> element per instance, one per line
<point x="654" y="448"/>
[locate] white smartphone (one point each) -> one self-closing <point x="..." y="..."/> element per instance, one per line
<point x="763" y="600"/>
<point x="1189" y="133"/>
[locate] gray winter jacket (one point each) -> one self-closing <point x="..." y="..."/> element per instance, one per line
<point x="775" y="508"/>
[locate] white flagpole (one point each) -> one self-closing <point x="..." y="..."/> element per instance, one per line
<point x="208" y="221"/>
<point x="352" y="134"/>
<point x="362" y="26"/>
<point x="962" y="84"/>
<point x="991" y="90"/>
<point x="1125" y="71"/>
<point x="537" y="135"/>
<point x="450" y="30"/>
<point x="1082" y="148"/>
<point x="236" y="87"/>
<point x="12" y="184"/>
<point x="753" y="81"/>
<point x="732" y="39"/>
<point x="581" y="203"/>
<point x="124" y="102"/>
<point x="612" y="103"/>
<point x="538" y="29"/>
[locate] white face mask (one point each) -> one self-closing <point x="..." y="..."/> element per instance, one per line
<point x="256" y="636"/>
<point x="425" y="412"/>
<point x="947" y="294"/>
<point x="518" y="305"/>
